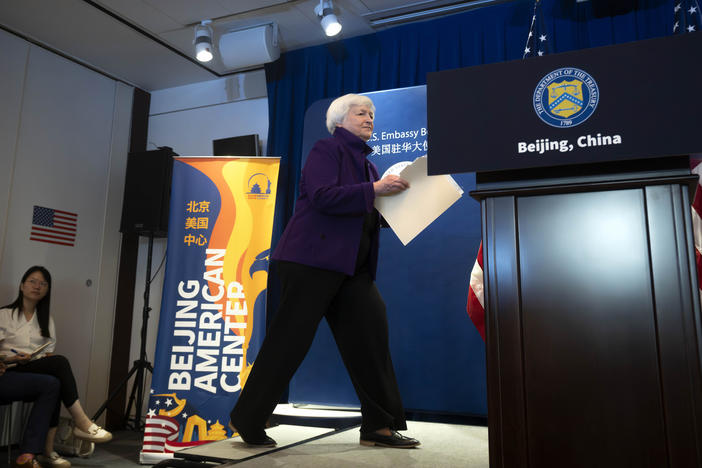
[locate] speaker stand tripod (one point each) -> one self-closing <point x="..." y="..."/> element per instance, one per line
<point x="141" y="365"/>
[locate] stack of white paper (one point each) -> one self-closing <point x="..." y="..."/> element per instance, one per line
<point x="408" y="213"/>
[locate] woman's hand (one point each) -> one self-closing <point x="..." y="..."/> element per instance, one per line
<point x="21" y="358"/>
<point x="2" y="367"/>
<point x="390" y="184"/>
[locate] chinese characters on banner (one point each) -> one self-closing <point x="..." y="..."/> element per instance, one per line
<point x="197" y="219"/>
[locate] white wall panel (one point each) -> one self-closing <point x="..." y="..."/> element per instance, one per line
<point x="63" y="162"/>
<point x="12" y="68"/>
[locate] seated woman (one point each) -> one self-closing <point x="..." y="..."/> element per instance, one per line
<point x="25" y="326"/>
<point x="43" y="391"/>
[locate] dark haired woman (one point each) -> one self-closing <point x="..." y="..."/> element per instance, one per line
<point x="25" y="326"/>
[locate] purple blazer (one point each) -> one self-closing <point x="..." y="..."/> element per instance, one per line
<point x="325" y="230"/>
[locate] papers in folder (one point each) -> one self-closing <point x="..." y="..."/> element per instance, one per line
<point x="408" y="213"/>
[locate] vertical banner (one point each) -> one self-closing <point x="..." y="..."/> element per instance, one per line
<point x="212" y="320"/>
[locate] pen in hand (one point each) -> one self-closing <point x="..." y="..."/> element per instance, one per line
<point x="21" y="357"/>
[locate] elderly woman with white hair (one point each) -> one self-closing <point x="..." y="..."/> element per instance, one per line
<point x="327" y="258"/>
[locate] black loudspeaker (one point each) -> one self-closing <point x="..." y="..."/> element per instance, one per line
<point x="244" y="145"/>
<point x="147" y="192"/>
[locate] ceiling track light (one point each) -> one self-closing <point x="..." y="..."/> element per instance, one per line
<point x="203" y="41"/>
<point x="327" y="18"/>
<point x="407" y="13"/>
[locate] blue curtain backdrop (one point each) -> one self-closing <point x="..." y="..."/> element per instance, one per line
<point x="401" y="57"/>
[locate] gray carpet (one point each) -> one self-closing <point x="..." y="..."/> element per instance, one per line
<point x="443" y="445"/>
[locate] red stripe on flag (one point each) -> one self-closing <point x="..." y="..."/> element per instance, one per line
<point x="46" y="231"/>
<point x="75" y="215"/>
<point x="475" y="306"/>
<point x="40" y="235"/>
<point x="66" y="221"/>
<point x="697" y="202"/>
<point x="696" y="166"/>
<point x="159" y="431"/>
<point x="50" y="241"/>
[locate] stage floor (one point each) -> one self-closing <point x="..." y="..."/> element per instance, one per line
<point x="443" y="445"/>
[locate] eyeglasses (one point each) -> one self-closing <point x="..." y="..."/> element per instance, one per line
<point x="35" y="282"/>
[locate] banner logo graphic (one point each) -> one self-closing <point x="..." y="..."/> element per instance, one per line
<point x="566" y="97"/>
<point x="259" y="186"/>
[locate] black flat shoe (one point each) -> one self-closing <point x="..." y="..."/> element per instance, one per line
<point x="394" y="440"/>
<point x="260" y="441"/>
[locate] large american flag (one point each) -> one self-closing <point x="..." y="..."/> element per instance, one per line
<point x="537" y="40"/>
<point x="696" y="166"/>
<point x="476" y="301"/>
<point x="537" y="44"/>
<point x="686" y="17"/>
<point x="54" y="226"/>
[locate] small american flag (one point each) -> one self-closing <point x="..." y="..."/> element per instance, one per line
<point x="54" y="226"/>
<point x="686" y="17"/>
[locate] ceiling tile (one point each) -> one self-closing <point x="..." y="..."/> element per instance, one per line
<point x="142" y="14"/>
<point x="240" y="6"/>
<point x="79" y="30"/>
<point x="189" y="11"/>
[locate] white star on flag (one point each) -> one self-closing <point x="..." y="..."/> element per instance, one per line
<point x="536" y="29"/>
<point x="690" y="22"/>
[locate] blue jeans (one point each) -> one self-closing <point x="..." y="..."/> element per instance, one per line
<point x="43" y="390"/>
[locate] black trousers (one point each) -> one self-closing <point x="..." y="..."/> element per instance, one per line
<point x="59" y="367"/>
<point x="356" y="315"/>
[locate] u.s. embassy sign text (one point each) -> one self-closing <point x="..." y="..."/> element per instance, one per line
<point x="629" y="101"/>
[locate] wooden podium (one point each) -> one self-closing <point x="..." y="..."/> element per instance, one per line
<point x="593" y="319"/>
<point x="594" y="331"/>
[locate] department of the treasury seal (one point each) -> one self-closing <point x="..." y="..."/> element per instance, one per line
<point x="566" y="97"/>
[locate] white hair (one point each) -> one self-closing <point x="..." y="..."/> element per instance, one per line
<point x="340" y="107"/>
